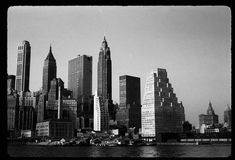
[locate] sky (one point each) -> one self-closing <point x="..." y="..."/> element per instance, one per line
<point x="193" y="43"/>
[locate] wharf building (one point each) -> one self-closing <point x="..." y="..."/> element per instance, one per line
<point x="228" y="117"/>
<point x="104" y="83"/>
<point x="56" y="128"/>
<point x="210" y="118"/>
<point x="80" y="83"/>
<point x="129" y="112"/>
<point x="161" y="114"/>
<point x="23" y="67"/>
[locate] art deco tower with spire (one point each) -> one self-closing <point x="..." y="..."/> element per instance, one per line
<point x="49" y="71"/>
<point x="104" y="72"/>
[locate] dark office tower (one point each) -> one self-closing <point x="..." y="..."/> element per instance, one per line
<point x="160" y="113"/>
<point x="80" y="76"/>
<point x="105" y="72"/>
<point x="10" y="84"/>
<point x="228" y="116"/>
<point x="129" y="113"/>
<point x="23" y="67"/>
<point x="49" y="71"/>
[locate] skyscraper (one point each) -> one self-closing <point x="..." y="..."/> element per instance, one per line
<point x="80" y="76"/>
<point x="80" y="83"/>
<point x="104" y="89"/>
<point x="105" y="72"/>
<point x="49" y="71"/>
<point x="129" y="113"/>
<point x="23" y="67"/>
<point x="161" y="113"/>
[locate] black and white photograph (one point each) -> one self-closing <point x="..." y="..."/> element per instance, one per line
<point x="119" y="81"/>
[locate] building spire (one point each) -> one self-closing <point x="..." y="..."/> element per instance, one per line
<point x="50" y="49"/>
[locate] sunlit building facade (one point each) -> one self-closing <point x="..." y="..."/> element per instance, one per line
<point x="160" y="112"/>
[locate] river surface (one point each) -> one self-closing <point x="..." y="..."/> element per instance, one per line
<point x="117" y="151"/>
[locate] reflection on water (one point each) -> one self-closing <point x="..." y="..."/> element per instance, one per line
<point x="134" y="151"/>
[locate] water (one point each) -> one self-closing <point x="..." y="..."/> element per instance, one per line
<point x="133" y="151"/>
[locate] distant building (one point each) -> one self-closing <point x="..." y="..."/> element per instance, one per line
<point x="55" y="129"/>
<point x="12" y="112"/>
<point x="69" y="112"/>
<point x="49" y="71"/>
<point x="160" y="113"/>
<point x="41" y="108"/>
<point x="27" y="114"/>
<point x="54" y="104"/>
<point x="101" y="114"/>
<point x="10" y="84"/>
<point x="228" y="117"/>
<point x="208" y="129"/>
<point x="129" y="113"/>
<point x="210" y="118"/>
<point x="23" y="67"/>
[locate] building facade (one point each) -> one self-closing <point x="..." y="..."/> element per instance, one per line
<point x="160" y="113"/>
<point x="104" y="72"/>
<point x="54" y="103"/>
<point x="80" y="76"/>
<point x="23" y="67"/>
<point x="228" y="117"/>
<point x="10" y="84"/>
<point x="101" y="114"/>
<point x="104" y="83"/>
<point x="210" y="118"/>
<point x="69" y="112"/>
<point x="27" y="116"/>
<point x="55" y="129"/>
<point x="49" y="71"/>
<point x="129" y="113"/>
<point x="12" y="112"/>
<point x="80" y="83"/>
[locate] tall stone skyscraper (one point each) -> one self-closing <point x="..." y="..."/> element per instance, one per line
<point x="80" y="76"/>
<point x="161" y="113"/>
<point x="104" y="83"/>
<point x="49" y="71"/>
<point x="105" y="72"/>
<point x="23" y="67"/>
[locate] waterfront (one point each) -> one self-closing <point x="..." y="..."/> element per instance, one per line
<point x="117" y="151"/>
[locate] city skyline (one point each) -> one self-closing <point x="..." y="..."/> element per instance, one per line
<point x="189" y="42"/>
